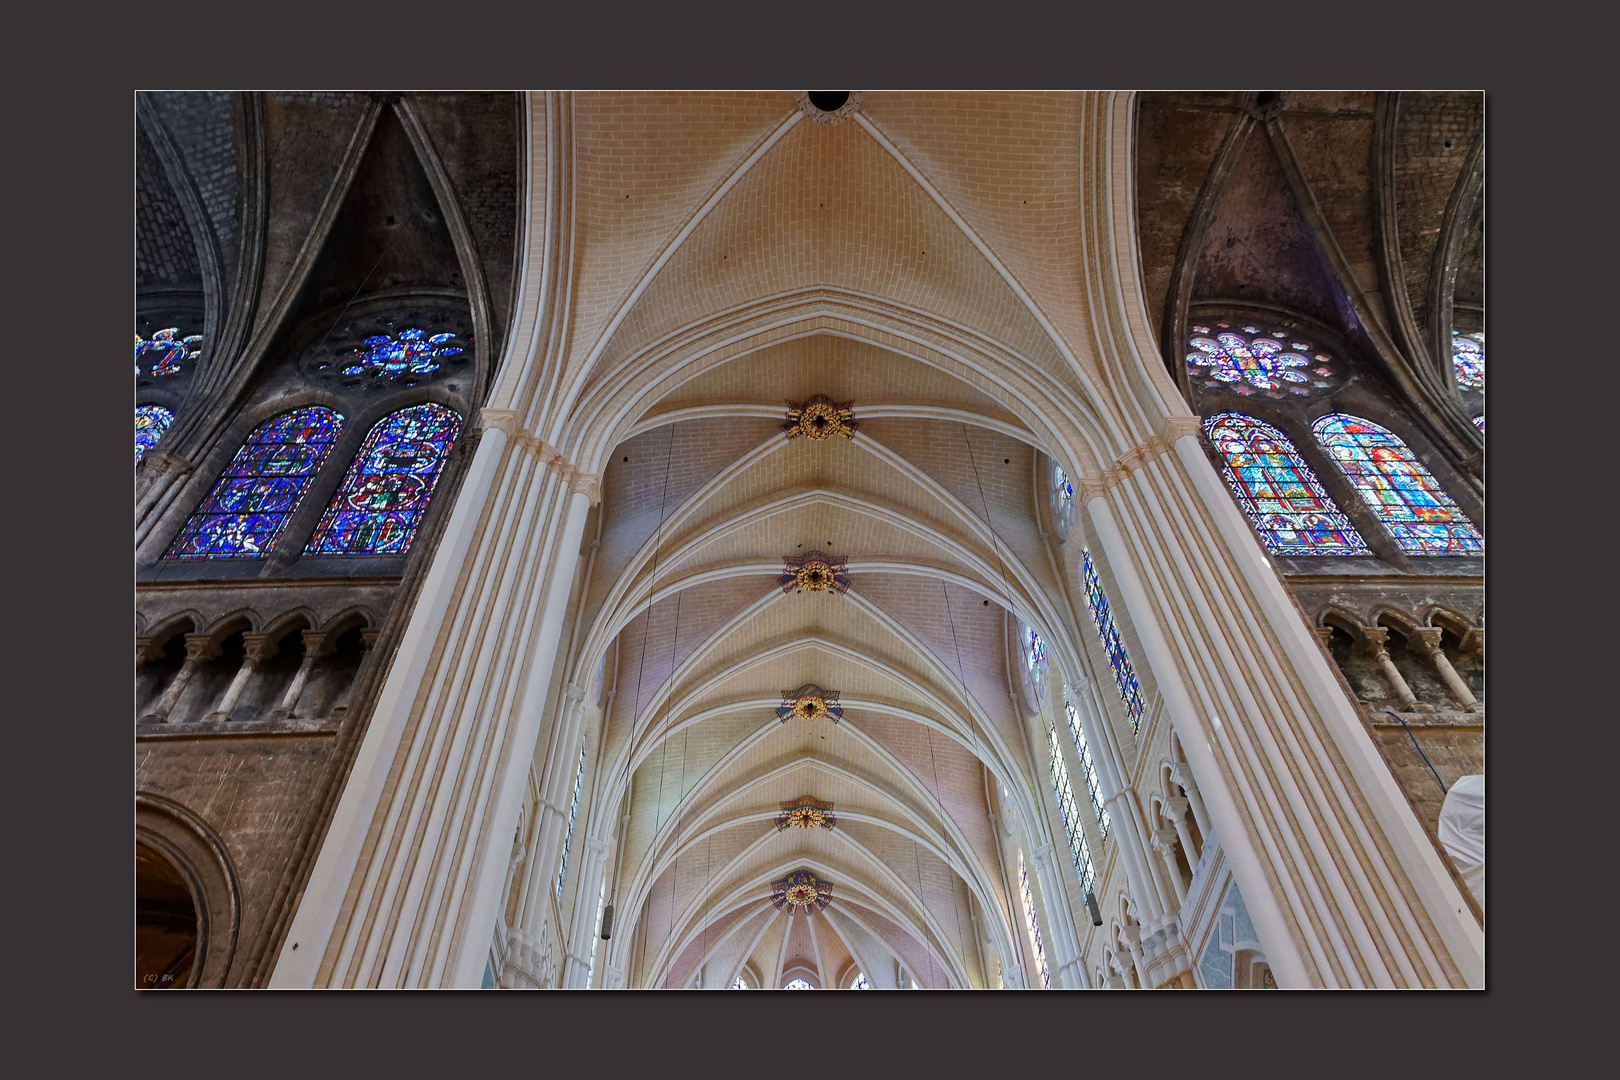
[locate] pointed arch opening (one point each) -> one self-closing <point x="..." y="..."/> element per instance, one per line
<point x="389" y="485"/>
<point x="1279" y="494"/>
<point x="251" y="503"/>
<point x="1408" y="501"/>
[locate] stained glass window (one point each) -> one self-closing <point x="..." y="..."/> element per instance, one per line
<point x="1034" y="662"/>
<point x="861" y="983"/>
<point x="1034" y="925"/>
<point x="1479" y="421"/>
<point x="1124" y="675"/>
<point x="1251" y="358"/>
<point x="165" y="354"/>
<point x="412" y="353"/>
<point x="738" y="984"/>
<point x="798" y="984"/>
<point x="1089" y="769"/>
<point x="1278" y="492"/>
<point x="1079" y="850"/>
<point x="1409" y="502"/>
<point x="151" y="421"/>
<point x="573" y="812"/>
<point x="1468" y="360"/>
<point x="1062" y="499"/>
<point x="389" y="485"/>
<point x="250" y="504"/>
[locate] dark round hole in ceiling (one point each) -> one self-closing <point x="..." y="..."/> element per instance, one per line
<point x="829" y="100"/>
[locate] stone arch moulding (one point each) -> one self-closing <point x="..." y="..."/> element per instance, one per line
<point x="201" y="856"/>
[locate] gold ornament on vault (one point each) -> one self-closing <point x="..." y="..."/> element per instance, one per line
<point x="820" y="418"/>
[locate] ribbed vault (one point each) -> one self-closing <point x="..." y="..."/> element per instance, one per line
<point x="811" y="259"/>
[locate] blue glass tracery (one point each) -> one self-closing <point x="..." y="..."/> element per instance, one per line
<point x="151" y="421"/>
<point x="573" y="812"/>
<point x="1278" y="492"/>
<point x="1034" y="662"/>
<point x="165" y="353"/>
<point x="1034" y="924"/>
<point x="1409" y="501"/>
<point x="1063" y="791"/>
<point x="1088" y="768"/>
<point x="389" y="485"/>
<point x="1130" y="695"/>
<point x="413" y="352"/>
<point x="244" y="514"/>
<point x="1468" y="360"/>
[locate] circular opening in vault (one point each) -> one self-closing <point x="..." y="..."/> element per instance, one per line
<point x="829" y="100"/>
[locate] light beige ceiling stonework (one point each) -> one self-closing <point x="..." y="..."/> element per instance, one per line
<point x="962" y="268"/>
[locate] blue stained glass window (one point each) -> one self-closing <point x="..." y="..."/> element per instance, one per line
<point x="1130" y="695"/>
<point x="573" y="811"/>
<point x="1089" y="768"/>
<point x="1062" y="500"/>
<point x="861" y="983"/>
<point x="250" y="504"/>
<point x="151" y="421"/>
<point x="412" y="353"/>
<point x="1079" y="850"/>
<point x="389" y="485"/>
<point x="1250" y="358"/>
<point x="1468" y="360"/>
<point x="1034" y="925"/>
<point x="1479" y="421"/>
<point x="738" y="984"/>
<point x="1409" y="502"/>
<point x="1035" y="662"/>
<point x="164" y="353"/>
<point x="798" y="984"/>
<point x="1278" y="492"/>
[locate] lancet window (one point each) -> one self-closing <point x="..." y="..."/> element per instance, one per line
<point x="798" y="984"/>
<point x="250" y="504"/>
<point x="1088" y="769"/>
<point x="1034" y="649"/>
<point x="151" y="421"/>
<point x="389" y="485"/>
<point x="1409" y="502"/>
<point x="1130" y="695"/>
<point x="1079" y="850"/>
<point x="1062" y="500"/>
<point x="573" y="812"/>
<point x="1034" y="924"/>
<point x="1278" y="492"/>
<point x="1468" y="360"/>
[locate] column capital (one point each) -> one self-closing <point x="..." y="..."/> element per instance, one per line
<point x="588" y="485"/>
<point x="368" y="638"/>
<point x="1372" y="641"/>
<point x="1325" y="633"/>
<point x="257" y="647"/>
<point x="573" y="696"/>
<point x="1177" y="807"/>
<point x="200" y="647"/>
<point x="1473" y="641"/>
<point x="1177" y="427"/>
<point x="1164" y="842"/>
<point x="502" y="420"/>
<point x="1425" y="640"/>
<point x="316" y="643"/>
<point x="166" y="462"/>
<point x="146" y="650"/>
